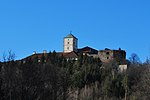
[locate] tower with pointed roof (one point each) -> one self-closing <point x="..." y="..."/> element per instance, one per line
<point x="70" y="43"/>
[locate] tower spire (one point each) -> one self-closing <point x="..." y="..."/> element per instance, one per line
<point x="70" y="31"/>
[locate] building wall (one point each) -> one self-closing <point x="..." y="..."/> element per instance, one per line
<point x="105" y="55"/>
<point x="70" y="44"/>
<point x="122" y="68"/>
<point x="109" y="55"/>
<point x="75" y="44"/>
<point x="119" y="55"/>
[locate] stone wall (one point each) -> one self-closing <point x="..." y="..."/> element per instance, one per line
<point x="109" y="55"/>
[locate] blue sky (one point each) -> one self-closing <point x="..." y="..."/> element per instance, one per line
<point x="37" y="25"/>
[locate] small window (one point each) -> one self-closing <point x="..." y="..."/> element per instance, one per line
<point x="68" y="39"/>
<point x="68" y="42"/>
<point x="107" y="57"/>
<point x="67" y="48"/>
<point x="107" y="53"/>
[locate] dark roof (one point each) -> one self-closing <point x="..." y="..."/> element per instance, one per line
<point x="88" y="50"/>
<point x="70" y="36"/>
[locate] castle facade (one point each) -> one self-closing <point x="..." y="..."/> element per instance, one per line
<point x="71" y="52"/>
<point x="106" y="55"/>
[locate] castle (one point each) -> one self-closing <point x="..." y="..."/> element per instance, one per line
<point x="71" y="45"/>
<point x="71" y="52"/>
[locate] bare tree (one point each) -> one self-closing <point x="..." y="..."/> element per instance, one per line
<point x="8" y="73"/>
<point x="134" y="59"/>
<point x="9" y="57"/>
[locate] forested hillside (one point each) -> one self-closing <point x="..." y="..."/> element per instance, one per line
<point x="84" y="79"/>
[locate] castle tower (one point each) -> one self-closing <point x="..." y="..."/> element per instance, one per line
<point x="70" y="43"/>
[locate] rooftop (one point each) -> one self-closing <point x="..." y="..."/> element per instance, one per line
<point x="59" y="54"/>
<point x="70" y="36"/>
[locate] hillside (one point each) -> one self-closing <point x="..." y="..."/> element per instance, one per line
<point x="84" y="79"/>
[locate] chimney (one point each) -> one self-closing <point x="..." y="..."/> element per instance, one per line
<point x="34" y="52"/>
<point x="44" y="51"/>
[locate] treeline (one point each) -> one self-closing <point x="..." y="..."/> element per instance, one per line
<point x="55" y="78"/>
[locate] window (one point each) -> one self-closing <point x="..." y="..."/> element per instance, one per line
<point x="107" y="57"/>
<point x="68" y="39"/>
<point x="67" y="48"/>
<point x="68" y="42"/>
<point x="107" y="53"/>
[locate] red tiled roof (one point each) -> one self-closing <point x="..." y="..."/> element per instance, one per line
<point x="59" y="54"/>
<point x="68" y="54"/>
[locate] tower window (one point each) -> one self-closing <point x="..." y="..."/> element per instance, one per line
<point x="67" y="48"/>
<point x="68" y="42"/>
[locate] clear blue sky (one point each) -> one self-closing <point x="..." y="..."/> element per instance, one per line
<point x="37" y="25"/>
